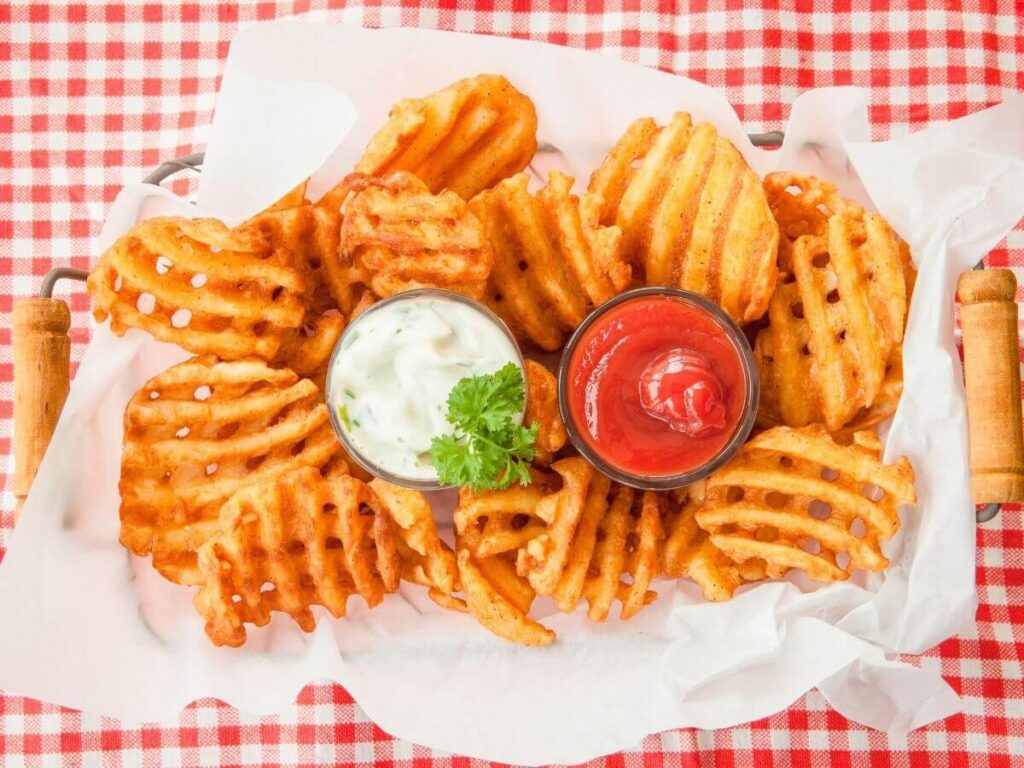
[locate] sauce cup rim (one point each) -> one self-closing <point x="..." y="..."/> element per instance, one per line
<point x="743" y="428"/>
<point x="416" y="293"/>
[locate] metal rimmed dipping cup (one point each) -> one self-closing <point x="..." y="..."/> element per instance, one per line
<point x="741" y="432"/>
<point x="419" y="293"/>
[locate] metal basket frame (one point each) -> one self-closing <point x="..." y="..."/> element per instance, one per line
<point x="194" y="162"/>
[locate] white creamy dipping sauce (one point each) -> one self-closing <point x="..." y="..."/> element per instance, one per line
<point x="390" y="378"/>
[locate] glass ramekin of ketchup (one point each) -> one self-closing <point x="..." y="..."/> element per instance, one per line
<point x="658" y="388"/>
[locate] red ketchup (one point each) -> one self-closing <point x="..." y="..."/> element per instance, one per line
<point x="656" y="386"/>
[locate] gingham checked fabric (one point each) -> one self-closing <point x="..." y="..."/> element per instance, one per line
<point x="94" y="95"/>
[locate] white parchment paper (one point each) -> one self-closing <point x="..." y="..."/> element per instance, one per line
<point x="84" y="624"/>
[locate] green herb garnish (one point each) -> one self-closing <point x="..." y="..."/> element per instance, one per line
<point x="343" y="415"/>
<point x="488" y="449"/>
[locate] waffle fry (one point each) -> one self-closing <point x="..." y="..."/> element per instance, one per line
<point x="311" y="236"/>
<point x="292" y="542"/>
<point x="542" y="409"/>
<point x="794" y="499"/>
<point x="195" y="434"/>
<point x="397" y="236"/>
<point x="200" y="285"/>
<point x="835" y="322"/>
<point x="497" y="596"/>
<point x="504" y="520"/>
<point x="553" y="263"/>
<point x="693" y="215"/>
<point x="424" y="558"/>
<point x="464" y="138"/>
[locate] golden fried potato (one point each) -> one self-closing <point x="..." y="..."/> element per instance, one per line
<point x="836" y="319"/>
<point x="795" y="499"/>
<point x="291" y="542"/>
<point x="397" y="236"/>
<point x="553" y="263"/>
<point x="496" y="596"/>
<point x="195" y="434"/>
<point x="198" y="284"/>
<point x="424" y="558"/>
<point x="311" y="236"/>
<point x="575" y="536"/>
<point x="542" y="410"/>
<point x="464" y="138"/>
<point x="693" y="215"/>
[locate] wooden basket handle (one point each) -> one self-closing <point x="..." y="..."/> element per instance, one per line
<point x="988" y="316"/>
<point x="42" y="371"/>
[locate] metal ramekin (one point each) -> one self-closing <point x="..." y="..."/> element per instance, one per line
<point x="350" y="448"/>
<point x="746" y="423"/>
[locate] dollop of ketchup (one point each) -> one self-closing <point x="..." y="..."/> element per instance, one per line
<point x="680" y="388"/>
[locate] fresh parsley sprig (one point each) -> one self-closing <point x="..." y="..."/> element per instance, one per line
<point x="488" y="449"/>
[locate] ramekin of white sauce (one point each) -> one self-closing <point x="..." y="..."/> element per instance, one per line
<point x="392" y="369"/>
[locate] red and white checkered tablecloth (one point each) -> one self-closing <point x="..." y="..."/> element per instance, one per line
<point x="93" y="95"/>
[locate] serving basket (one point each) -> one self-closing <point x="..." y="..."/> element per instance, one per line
<point x="988" y="319"/>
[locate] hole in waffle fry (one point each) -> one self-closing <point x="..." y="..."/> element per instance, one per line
<point x="211" y="468"/>
<point x="827" y="473"/>
<point x="753" y="569"/>
<point x="296" y="548"/>
<point x="146" y="303"/>
<point x="735" y="494"/>
<point x="832" y="297"/>
<point x="498" y="297"/>
<point x="307" y="581"/>
<point x="259" y="329"/>
<point x="183" y="432"/>
<point x="202" y="393"/>
<point x="785" y="461"/>
<point x="228" y="430"/>
<point x="519" y="521"/>
<point x="118" y="283"/>
<point x="163" y="265"/>
<point x="154" y="395"/>
<point x="276" y="294"/>
<point x="805" y="350"/>
<point x="776" y="500"/>
<point x="523" y="266"/>
<point x="766" y="533"/>
<point x="181" y="318"/>
<point x="811" y="546"/>
<point x="198" y="280"/>
<point x="824" y="209"/>
<point x="841" y="336"/>
<point x="236" y="598"/>
<point x="365" y="510"/>
<point x="298" y="448"/>
<point x="789" y="278"/>
<point x="632" y="542"/>
<point x="600" y="535"/>
<point x="333" y="542"/>
<point x="843" y="560"/>
<point x="330" y="509"/>
<point x="819" y="510"/>
<point x="636" y="163"/>
<point x="314" y="263"/>
<point x="858" y="529"/>
<point x="797" y="309"/>
<point x="267" y="587"/>
<point x="254" y="462"/>
<point x="821" y="260"/>
<point x="872" y="492"/>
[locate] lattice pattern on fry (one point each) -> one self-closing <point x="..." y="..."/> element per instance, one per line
<point x="496" y="595"/>
<point x="311" y="236"/>
<point x="200" y="285"/>
<point x="424" y="558"/>
<point x="542" y="410"/>
<point x="794" y="499"/>
<point x="836" y="319"/>
<point x="504" y="520"/>
<point x="397" y="236"/>
<point x="289" y="543"/>
<point x="690" y="554"/>
<point x="553" y="262"/>
<point x="195" y="434"/>
<point x="693" y="215"/>
<point x="464" y="138"/>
